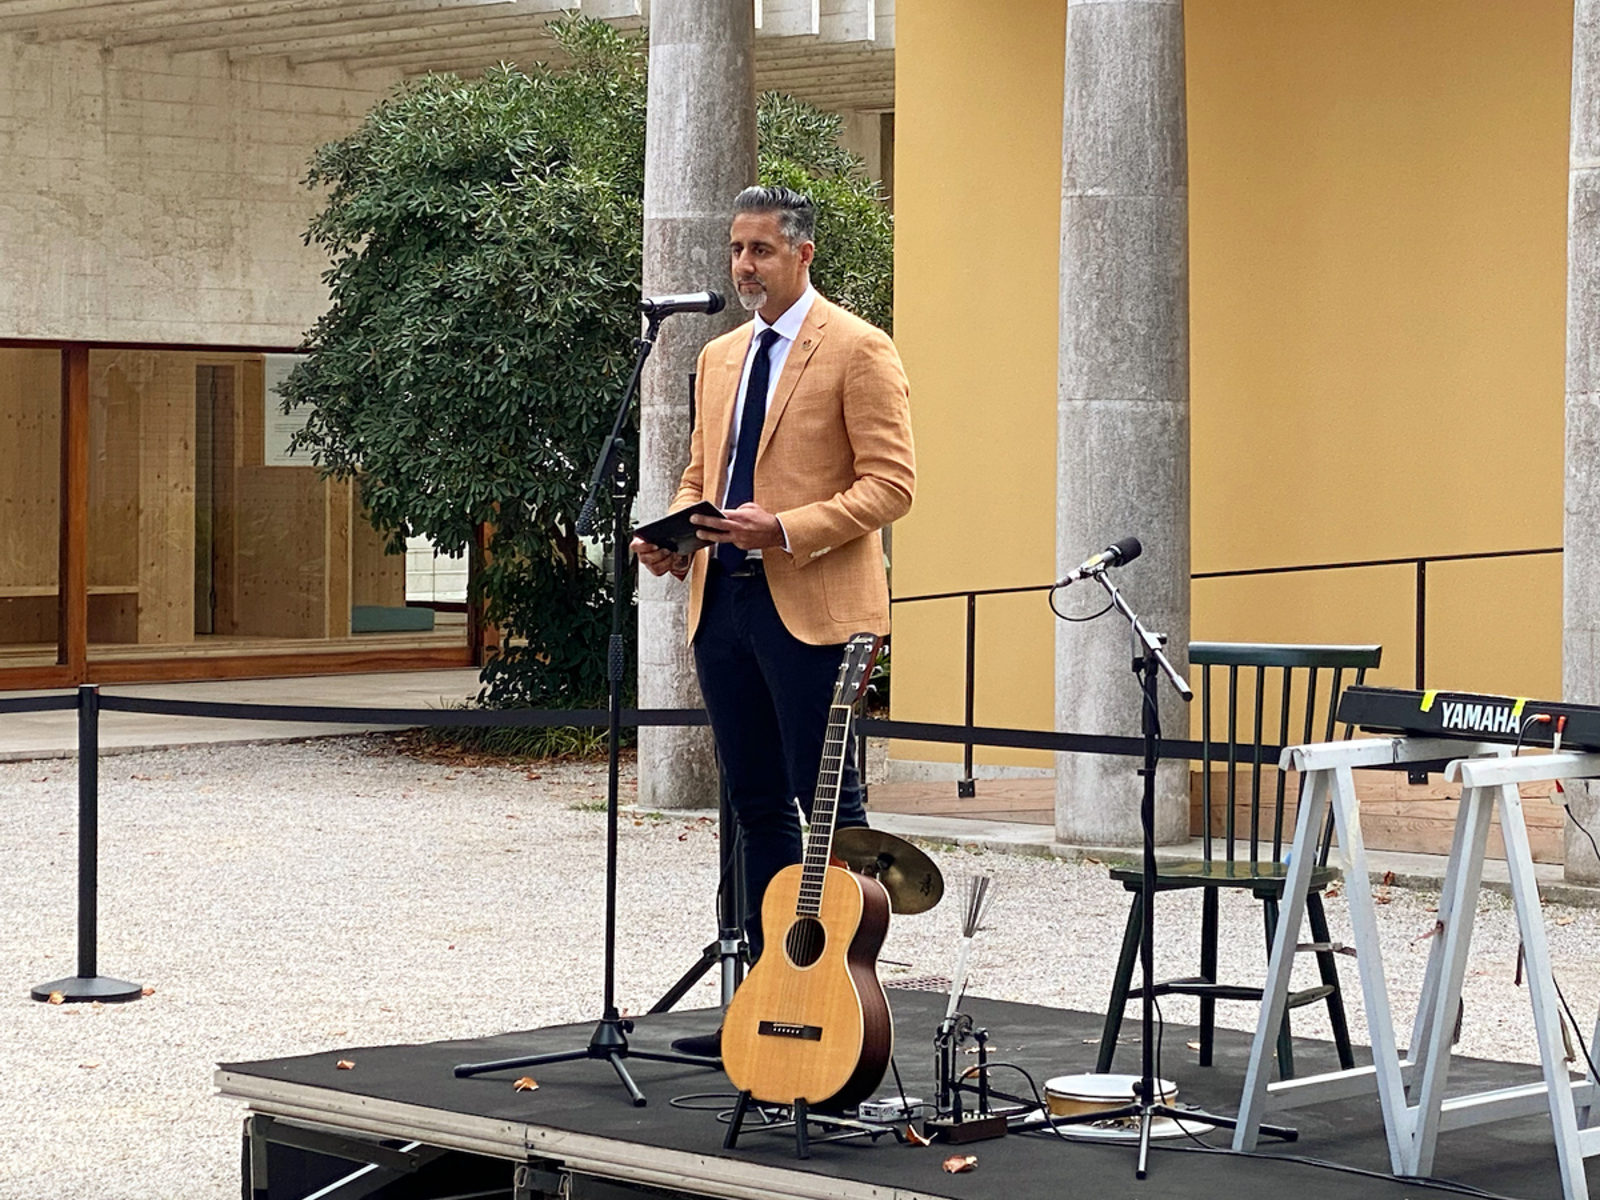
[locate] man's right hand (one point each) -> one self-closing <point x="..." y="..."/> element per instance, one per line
<point x="658" y="561"/>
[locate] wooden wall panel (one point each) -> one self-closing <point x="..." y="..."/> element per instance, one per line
<point x="30" y="463"/>
<point x="376" y="577"/>
<point x="113" y="473"/>
<point x="166" y="498"/>
<point x="280" y="535"/>
<point x="28" y="620"/>
<point x="336" y="559"/>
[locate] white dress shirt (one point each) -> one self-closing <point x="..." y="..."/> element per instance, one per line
<point x="788" y="328"/>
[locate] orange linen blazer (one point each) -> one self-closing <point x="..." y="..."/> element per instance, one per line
<point x="835" y="464"/>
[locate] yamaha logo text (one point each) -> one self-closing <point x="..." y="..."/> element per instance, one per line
<point x="1478" y="718"/>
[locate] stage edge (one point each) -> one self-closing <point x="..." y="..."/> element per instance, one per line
<point x="606" y="1158"/>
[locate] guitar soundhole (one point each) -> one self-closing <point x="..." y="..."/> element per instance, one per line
<point x="805" y="941"/>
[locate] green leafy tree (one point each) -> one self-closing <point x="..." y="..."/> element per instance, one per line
<point x="485" y="238"/>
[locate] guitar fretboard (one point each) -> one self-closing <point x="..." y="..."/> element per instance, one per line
<point x="824" y="809"/>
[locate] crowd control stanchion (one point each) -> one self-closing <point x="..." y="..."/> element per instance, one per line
<point x="88" y="983"/>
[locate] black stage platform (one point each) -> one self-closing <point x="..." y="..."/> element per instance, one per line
<point x="579" y="1122"/>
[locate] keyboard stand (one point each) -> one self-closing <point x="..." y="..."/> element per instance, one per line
<point x="1327" y="770"/>
<point x="1489" y="778"/>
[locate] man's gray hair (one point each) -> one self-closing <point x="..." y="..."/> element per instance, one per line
<point x="797" y="215"/>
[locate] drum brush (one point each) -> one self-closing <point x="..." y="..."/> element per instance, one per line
<point x="978" y="896"/>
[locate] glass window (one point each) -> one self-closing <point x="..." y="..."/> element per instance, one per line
<point x="206" y="538"/>
<point x="30" y="506"/>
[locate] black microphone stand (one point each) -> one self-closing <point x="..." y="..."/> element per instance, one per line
<point x="1149" y="663"/>
<point x="609" y="1042"/>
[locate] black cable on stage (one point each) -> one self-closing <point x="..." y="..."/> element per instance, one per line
<point x="1427" y="1181"/>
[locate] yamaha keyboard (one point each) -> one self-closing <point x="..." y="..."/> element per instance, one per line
<point x="1471" y="717"/>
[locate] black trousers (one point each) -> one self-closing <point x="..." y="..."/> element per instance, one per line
<point x="767" y="694"/>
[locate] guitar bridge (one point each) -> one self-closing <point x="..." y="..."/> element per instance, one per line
<point x="789" y="1029"/>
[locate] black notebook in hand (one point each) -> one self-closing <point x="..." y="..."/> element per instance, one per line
<point x="675" y="532"/>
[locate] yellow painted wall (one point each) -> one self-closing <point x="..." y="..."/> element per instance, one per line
<point x="977" y="218"/>
<point x="1378" y="277"/>
<point x="1377" y="241"/>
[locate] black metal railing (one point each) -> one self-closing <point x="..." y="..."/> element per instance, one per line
<point x="89" y="702"/>
<point x="1418" y="562"/>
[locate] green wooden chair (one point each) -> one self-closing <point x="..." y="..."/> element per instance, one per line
<point x="1242" y="832"/>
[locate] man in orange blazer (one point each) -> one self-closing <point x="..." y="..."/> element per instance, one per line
<point x="803" y="439"/>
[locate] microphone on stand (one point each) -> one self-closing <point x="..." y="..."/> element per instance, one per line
<point x="1119" y="553"/>
<point x="695" y="302"/>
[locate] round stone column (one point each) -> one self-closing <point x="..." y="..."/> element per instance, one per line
<point x="1580" y="634"/>
<point x="700" y="150"/>
<point x="1123" y="416"/>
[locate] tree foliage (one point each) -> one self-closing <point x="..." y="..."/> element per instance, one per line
<point x="485" y="238"/>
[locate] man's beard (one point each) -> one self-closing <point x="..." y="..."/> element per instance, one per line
<point x="752" y="301"/>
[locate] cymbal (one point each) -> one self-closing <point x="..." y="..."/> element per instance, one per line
<point x="909" y="876"/>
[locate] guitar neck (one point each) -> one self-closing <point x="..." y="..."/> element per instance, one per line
<point x="824" y="811"/>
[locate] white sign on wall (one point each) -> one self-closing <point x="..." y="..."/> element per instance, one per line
<point x="281" y="427"/>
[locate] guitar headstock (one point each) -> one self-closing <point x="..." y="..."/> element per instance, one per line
<point x="855" y="672"/>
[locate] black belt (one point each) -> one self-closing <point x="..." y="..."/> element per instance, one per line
<point x="750" y="568"/>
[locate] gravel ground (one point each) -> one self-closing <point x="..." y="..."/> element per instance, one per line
<point x="283" y="899"/>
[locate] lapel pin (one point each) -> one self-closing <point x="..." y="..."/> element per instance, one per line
<point x="806" y="345"/>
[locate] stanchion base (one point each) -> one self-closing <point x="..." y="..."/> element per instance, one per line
<point x="94" y="987"/>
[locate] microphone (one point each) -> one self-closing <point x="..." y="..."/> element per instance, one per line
<point x="1115" y="555"/>
<point x="695" y="302"/>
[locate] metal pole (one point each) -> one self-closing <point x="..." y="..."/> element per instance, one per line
<point x="88" y="828"/>
<point x="88" y="983"/>
<point x="965" y="787"/>
<point x="1422" y="621"/>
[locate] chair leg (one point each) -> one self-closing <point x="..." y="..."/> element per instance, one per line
<point x="1121" y="984"/>
<point x="1328" y="969"/>
<point x="1208" y="972"/>
<point x="1269" y="913"/>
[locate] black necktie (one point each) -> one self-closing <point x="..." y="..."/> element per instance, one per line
<point x="742" y="486"/>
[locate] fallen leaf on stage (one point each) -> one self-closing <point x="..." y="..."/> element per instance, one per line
<point x="916" y="1138"/>
<point x="526" y="1084"/>
<point x="58" y="997"/>
<point x="147" y="991"/>
<point x="1193" y="1045"/>
<point x="344" y="1064"/>
<point x="958" y="1163"/>
<point x="89" y="1064"/>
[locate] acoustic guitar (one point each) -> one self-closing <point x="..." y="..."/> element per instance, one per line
<point x="811" y="1022"/>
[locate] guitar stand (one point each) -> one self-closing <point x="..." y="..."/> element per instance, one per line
<point x="838" y="1128"/>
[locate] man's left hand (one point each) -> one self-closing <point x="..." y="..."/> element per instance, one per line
<point x="749" y="527"/>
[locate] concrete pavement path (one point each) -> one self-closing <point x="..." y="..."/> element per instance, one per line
<point x="55" y="734"/>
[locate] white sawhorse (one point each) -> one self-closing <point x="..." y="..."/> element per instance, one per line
<point x="1490" y="777"/>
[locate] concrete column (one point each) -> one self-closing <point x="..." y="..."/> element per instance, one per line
<point x="700" y="150"/>
<point x="1580" y="641"/>
<point x="1123" y="424"/>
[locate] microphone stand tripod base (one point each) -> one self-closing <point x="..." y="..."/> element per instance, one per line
<point x="608" y="1043"/>
<point x="1147" y="1113"/>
